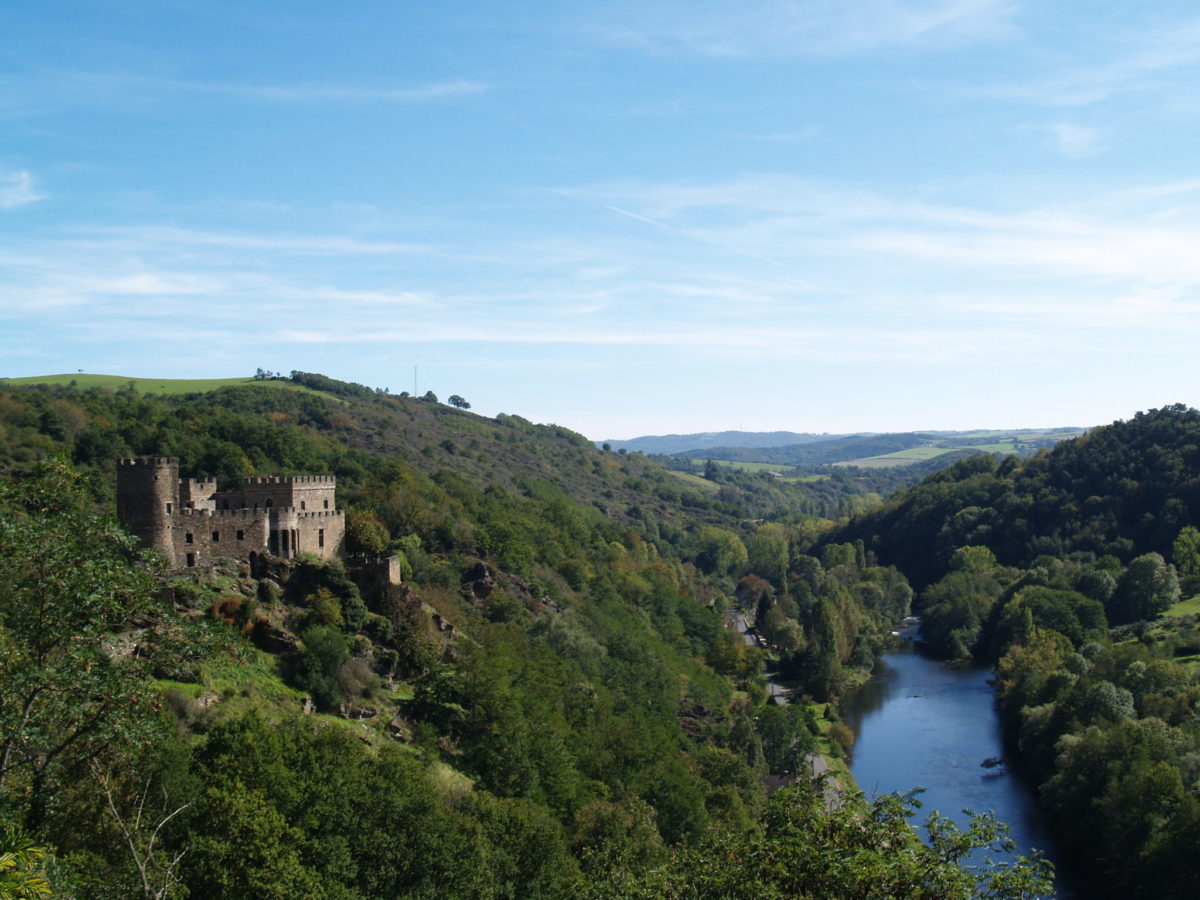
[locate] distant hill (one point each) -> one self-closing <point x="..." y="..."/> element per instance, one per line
<point x="873" y="450"/>
<point x="672" y="444"/>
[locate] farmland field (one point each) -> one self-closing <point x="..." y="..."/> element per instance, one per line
<point x="900" y="458"/>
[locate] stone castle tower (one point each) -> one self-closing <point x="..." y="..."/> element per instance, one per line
<point x="192" y="523"/>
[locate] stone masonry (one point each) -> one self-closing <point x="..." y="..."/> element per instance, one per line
<point x="192" y="523"/>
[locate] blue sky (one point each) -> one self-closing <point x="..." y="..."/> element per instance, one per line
<point x="622" y="217"/>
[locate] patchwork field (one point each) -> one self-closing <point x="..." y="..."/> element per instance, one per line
<point x="1002" y="442"/>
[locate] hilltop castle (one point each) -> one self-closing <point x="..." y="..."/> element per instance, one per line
<point x="192" y="523"/>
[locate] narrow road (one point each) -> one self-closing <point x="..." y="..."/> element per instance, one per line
<point x="833" y="788"/>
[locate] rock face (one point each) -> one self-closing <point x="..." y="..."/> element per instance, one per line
<point x="273" y="639"/>
<point x="478" y="582"/>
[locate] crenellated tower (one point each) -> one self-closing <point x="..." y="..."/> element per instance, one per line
<point x="147" y="498"/>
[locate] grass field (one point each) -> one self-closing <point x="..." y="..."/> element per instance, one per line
<point x="909" y="457"/>
<point x="697" y="482"/>
<point x="1188" y="607"/>
<point x="84" y="380"/>
<point x="746" y="466"/>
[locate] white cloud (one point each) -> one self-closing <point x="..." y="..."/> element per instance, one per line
<point x="17" y="190"/>
<point x="789" y="28"/>
<point x="1073" y="140"/>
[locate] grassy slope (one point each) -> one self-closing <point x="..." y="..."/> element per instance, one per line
<point x="166" y="386"/>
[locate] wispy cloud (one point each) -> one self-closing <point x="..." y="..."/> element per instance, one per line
<point x="1141" y="64"/>
<point x="315" y="92"/>
<point x="17" y="190"/>
<point x="41" y="92"/>
<point x="727" y="28"/>
<point x="1073" y="140"/>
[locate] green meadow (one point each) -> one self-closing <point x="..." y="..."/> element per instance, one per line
<point x="86" y="380"/>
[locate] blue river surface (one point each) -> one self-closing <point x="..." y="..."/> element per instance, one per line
<point x="922" y="723"/>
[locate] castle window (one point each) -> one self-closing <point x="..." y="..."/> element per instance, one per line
<point x="168" y="507"/>
<point x="325" y="504"/>
<point x="302" y="504"/>
<point x="191" y="504"/>
<point x="320" y="537"/>
<point x="187" y="538"/>
<point x="191" y="559"/>
<point x="216" y="536"/>
<point x="241" y="535"/>
<point x="269" y="503"/>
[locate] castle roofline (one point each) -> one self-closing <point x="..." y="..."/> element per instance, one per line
<point x="291" y="479"/>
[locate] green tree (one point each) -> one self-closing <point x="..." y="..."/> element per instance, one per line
<point x="721" y="551"/>
<point x="69" y="582"/>
<point x="1186" y="556"/>
<point x="366" y="535"/>
<point x="768" y="553"/>
<point x="21" y="861"/>
<point x="856" y="850"/>
<point x="1146" y="589"/>
<point x="458" y="402"/>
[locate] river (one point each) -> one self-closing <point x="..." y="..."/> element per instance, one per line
<point x="921" y="723"/>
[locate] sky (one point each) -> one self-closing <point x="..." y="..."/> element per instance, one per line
<point x="622" y="217"/>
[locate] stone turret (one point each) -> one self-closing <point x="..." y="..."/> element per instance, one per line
<point x="148" y="498"/>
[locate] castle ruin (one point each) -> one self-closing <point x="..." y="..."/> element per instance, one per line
<point x="192" y="523"/>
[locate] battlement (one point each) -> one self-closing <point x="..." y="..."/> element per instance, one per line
<point x="220" y="513"/>
<point x="318" y="513"/>
<point x="291" y="479"/>
<point x="149" y="461"/>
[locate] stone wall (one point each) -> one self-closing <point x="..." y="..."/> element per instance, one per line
<point x="199" y="537"/>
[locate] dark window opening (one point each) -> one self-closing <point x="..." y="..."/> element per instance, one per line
<point x="320" y="537"/>
<point x="187" y="538"/>
<point x="325" y="504"/>
<point x="216" y="536"/>
<point x="241" y="535"/>
<point x="269" y="503"/>
<point x="168" y="507"/>
<point x="191" y="559"/>
<point x="302" y="504"/>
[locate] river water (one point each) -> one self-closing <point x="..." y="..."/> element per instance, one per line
<point x="921" y="723"/>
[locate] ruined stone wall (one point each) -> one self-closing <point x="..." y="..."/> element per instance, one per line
<point x="373" y="574"/>
<point x="321" y="533"/>
<point x="197" y="493"/>
<point x="199" y="537"/>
